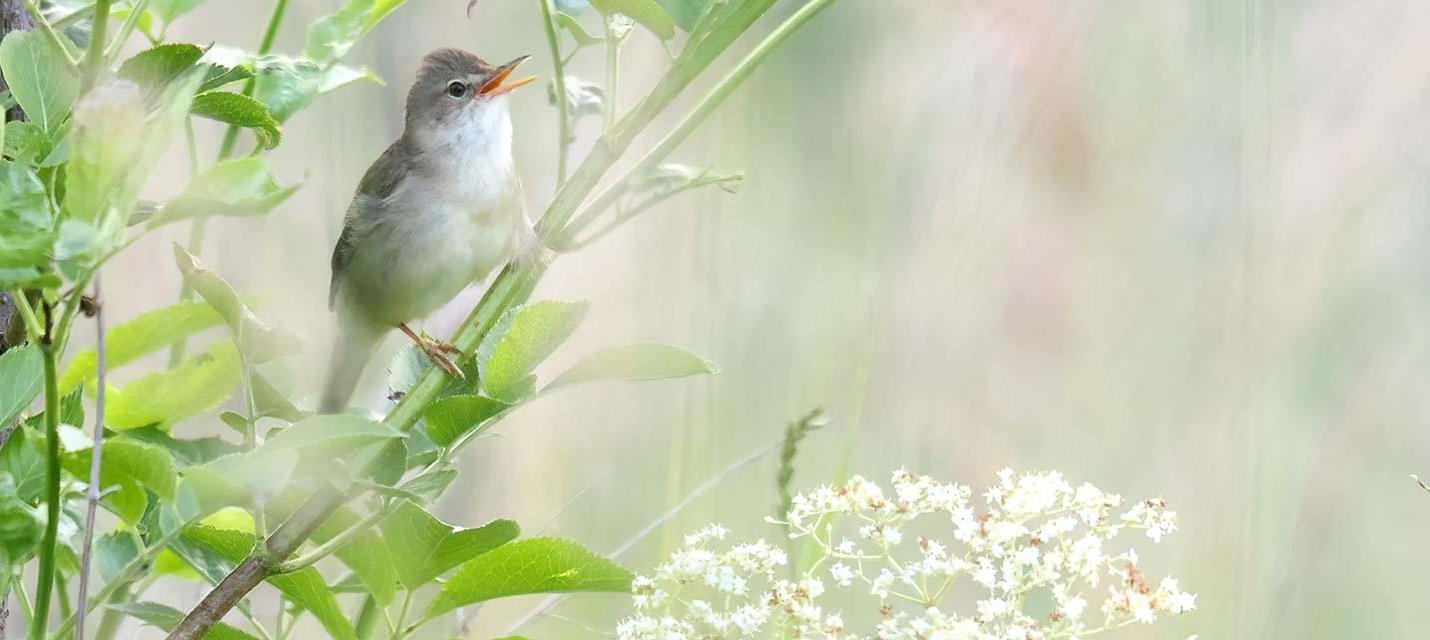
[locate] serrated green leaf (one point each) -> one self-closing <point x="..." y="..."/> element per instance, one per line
<point x="198" y="384"/>
<point x="523" y="338"/>
<point x="635" y="362"/>
<point x="235" y="187"/>
<point x="451" y="417"/>
<point x="146" y="333"/>
<point x="167" y="618"/>
<point x="429" y="486"/>
<point x="424" y="547"/>
<point x="42" y="82"/>
<point x="215" y="550"/>
<point x="21" y="379"/>
<point x="187" y="452"/>
<point x="648" y="13"/>
<point x="331" y="36"/>
<point x="335" y="435"/>
<point x="156" y="67"/>
<point x="257" y="339"/>
<point x="288" y="85"/>
<point x="535" y="565"/>
<point x="133" y="467"/>
<point x="241" y="111"/>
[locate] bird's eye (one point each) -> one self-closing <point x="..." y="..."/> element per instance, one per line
<point x="456" y="89"/>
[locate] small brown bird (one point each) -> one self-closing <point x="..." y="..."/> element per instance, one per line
<point x="437" y="211"/>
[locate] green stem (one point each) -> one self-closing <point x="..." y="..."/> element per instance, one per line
<point x="696" y="117"/>
<point x="333" y="544"/>
<point x="112" y="619"/>
<point x="126" y="576"/>
<point x="563" y="127"/>
<point x="613" y="59"/>
<point x="125" y="29"/>
<point x="46" y="579"/>
<point x="94" y="54"/>
<point x="27" y="314"/>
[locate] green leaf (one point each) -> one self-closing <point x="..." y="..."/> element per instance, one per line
<point x="21" y="379"/>
<point x="167" y="618"/>
<point x="155" y="68"/>
<point x="187" y="452"/>
<point x="430" y="485"/>
<point x="239" y="110"/>
<point x="23" y="201"/>
<point x="578" y="33"/>
<point x="26" y="142"/>
<point x="236" y="187"/>
<point x="424" y="547"/>
<point x="23" y="459"/>
<point x="115" y="550"/>
<point x="20" y="525"/>
<point x="133" y="467"/>
<point x="99" y="177"/>
<point x="272" y="402"/>
<point x="288" y="85"/>
<point x="649" y="13"/>
<point x="331" y="36"/>
<point x="255" y="338"/>
<point x="214" y="550"/>
<point x="41" y="80"/>
<point x="521" y="340"/>
<point x="146" y="333"/>
<point x="168" y="10"/>
<point x="335" y="435"/>
<point x="685" y="12"/>
<point x="198" y="384"/>
<point x="635" y="362"/>
<point x="451" y="417"/>
<point x="536" y="565"/>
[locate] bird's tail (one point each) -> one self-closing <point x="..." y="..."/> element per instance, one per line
<point x="351" y="351"/>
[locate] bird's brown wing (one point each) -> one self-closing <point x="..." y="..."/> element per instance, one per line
<point x="379" y="182"/>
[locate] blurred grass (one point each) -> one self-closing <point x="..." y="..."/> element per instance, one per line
<point x="1163" y="247"/>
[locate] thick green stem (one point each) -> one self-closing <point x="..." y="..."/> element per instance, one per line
<point x="46" y="579"/>
<point x="94" y="55"/>
<point x="563" y="122"/>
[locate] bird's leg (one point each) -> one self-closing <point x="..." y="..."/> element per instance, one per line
<point x="436" y="350"/>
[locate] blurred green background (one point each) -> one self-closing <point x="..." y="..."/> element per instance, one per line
<point x="1166" y="247"/>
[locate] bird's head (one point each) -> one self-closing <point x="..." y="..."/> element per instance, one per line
<point x="456" y="90"/>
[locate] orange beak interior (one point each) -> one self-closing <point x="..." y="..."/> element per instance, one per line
<point x="498" y="85"/>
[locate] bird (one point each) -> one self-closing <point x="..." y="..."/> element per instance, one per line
<point x="438" y="210"/>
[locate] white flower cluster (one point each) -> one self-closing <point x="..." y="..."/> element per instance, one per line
<point x="1036" y="552"/>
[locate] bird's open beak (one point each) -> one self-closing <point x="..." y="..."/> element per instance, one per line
<point x="498" y="84"/>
